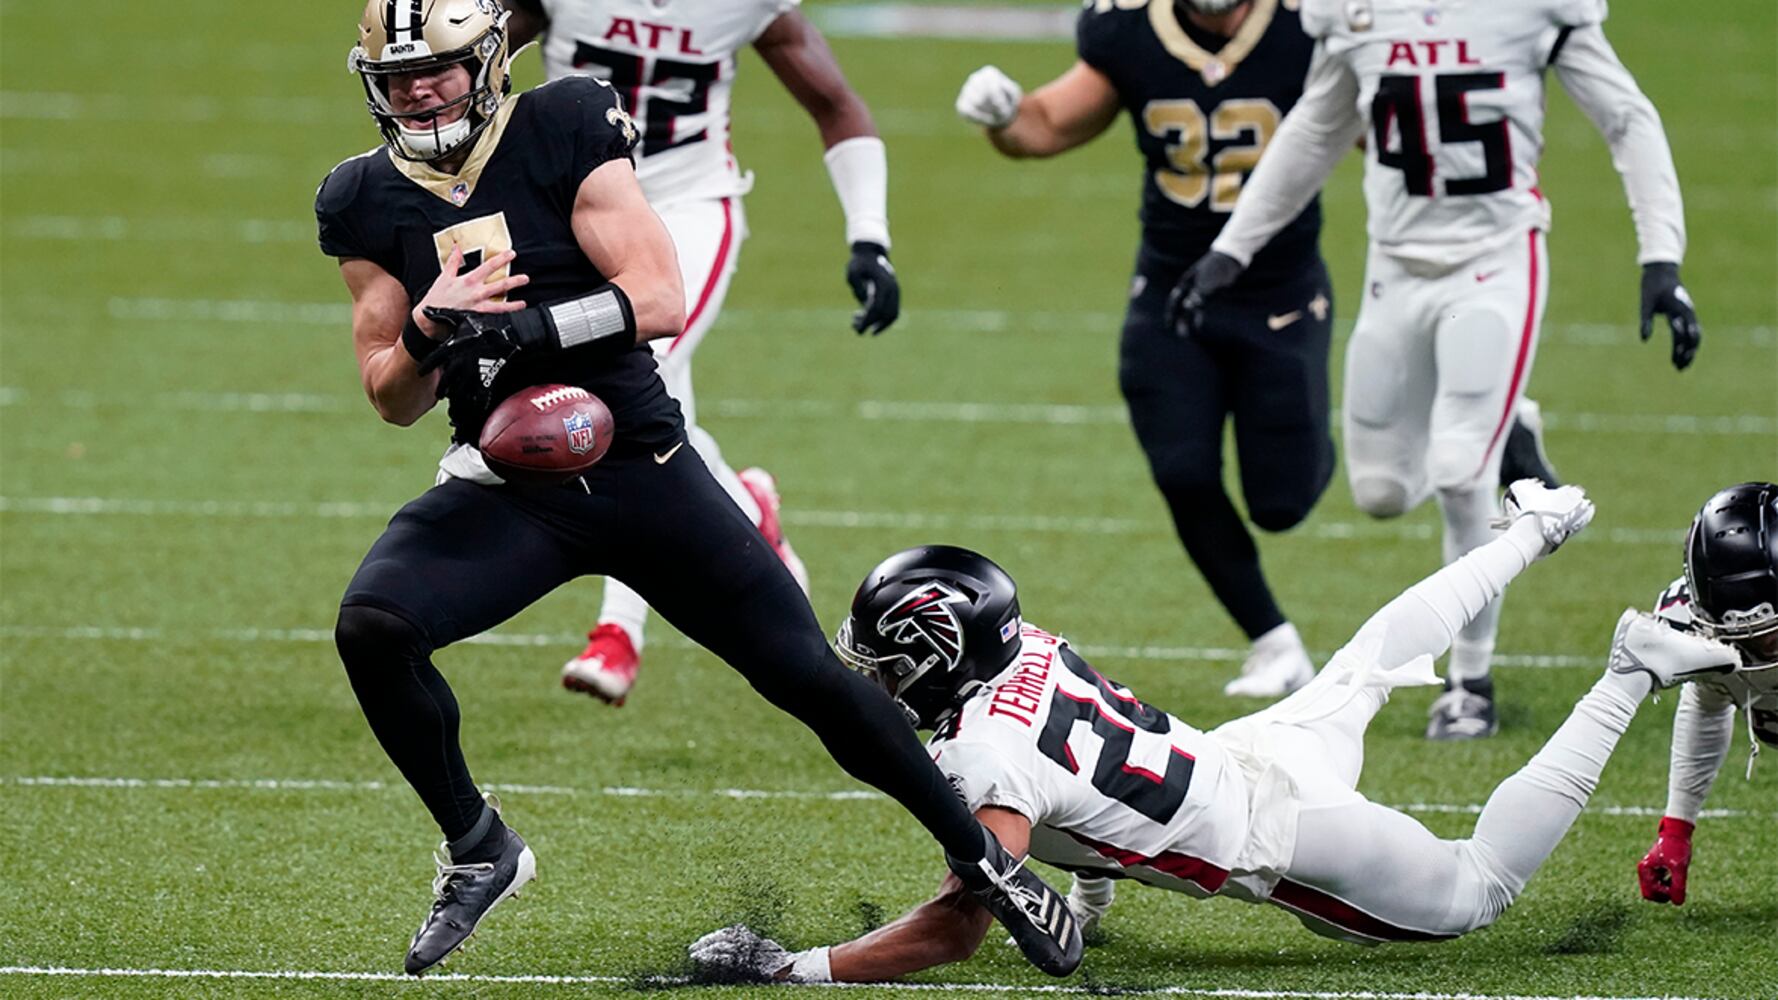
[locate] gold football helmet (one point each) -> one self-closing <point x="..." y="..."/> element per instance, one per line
<point x="408" y="36"/>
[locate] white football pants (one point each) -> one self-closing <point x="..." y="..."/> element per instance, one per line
<point x="1366" y="873"/>
<point x="1437" y="364"/>
<point x="707" y="232"/>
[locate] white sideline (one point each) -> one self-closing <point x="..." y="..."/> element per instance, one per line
<point x="737" y="794"/>
<point x="896" y="411"/>
<point x="458" y="977"/>
<point x="1169" y="654"/>
<point x="835" y="519"/>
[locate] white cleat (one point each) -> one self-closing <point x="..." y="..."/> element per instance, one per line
<point x="1090" y="898"/>
<point x="1646" y="644"/>
<point x="1561" y="512"/>
<point x="1277" y="666"/>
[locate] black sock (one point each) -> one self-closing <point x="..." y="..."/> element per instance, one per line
<point x="1218" y="542"/>
<point x="485" y="847"/>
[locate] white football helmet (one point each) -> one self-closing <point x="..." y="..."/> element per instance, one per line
<point x="407" y="36"/>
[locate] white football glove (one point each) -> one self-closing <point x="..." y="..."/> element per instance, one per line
<point x="989" y="97"/>
<point x="737" y="954"/>
<point x="1560" y="513"/>
<point x="1645" y="644"/>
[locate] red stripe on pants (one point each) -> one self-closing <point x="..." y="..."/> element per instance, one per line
<point x="1512" y="390"/>
<point x="710" y="282"/>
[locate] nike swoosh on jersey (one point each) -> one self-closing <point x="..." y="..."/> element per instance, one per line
<point x="662" y="459"/>
<point x="1283" y="320"/>
<point x="1482" y="276"/>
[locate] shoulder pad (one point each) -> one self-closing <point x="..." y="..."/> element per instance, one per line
<point x="1674" y="606"/>
<point x="1322" y="18"/>
<point x="340" y="186"/>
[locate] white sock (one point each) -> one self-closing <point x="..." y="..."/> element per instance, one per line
<point x="1530" y="812"/>
<point x="1428" y="616"/>
<point x="1467" y="514"/>
<point x="624" y="608"/>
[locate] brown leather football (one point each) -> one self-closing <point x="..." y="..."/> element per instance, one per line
<point x="546" y="434"/>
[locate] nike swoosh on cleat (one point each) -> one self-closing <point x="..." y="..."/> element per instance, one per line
<point x="1283" y="320"/>
<point x="670" y="452"/>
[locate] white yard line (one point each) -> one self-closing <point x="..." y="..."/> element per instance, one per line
<point x="285" y="510"/>
<point x="895" y="411"/>
<point x="1165" y="654"/>
<point x="597" y="980"/>
<point x="636" y="792"/>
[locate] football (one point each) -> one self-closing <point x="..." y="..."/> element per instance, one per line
<point x="546" y="434"/>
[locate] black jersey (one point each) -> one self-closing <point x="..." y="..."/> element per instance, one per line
<point x="1204" y="108"/>
<point x="516" y="191"/>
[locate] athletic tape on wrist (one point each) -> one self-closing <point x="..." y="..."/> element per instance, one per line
<point x="604" y="314"/>
<point x="416" y="342"/>
<point x="812" y="966"/>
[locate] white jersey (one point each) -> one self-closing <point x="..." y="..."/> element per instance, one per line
<point x="1109" y="784"/>
<point x="1447" y="97"/>
<point x="1452" y="98"/>
<point x="674" y="65"/>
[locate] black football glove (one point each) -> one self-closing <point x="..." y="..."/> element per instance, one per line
<point x="480" y="345"/>
<point x="873" y="283"/>
<point x="1202" y="281"/>
<point x="1663" y="294"/>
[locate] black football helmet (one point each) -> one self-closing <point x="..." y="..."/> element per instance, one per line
<point x="1731" y="568"/>
<point x="929" y="625"/>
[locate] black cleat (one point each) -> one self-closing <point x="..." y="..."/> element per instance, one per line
<point x="1037" y="918"/>
<point x="1523" y="456"/>
<point x="465" y="895"/>
<point x="1464" y="712"/>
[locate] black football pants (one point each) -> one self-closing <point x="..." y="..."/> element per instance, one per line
<point x="462" y="558"/>
<point x="1261" y="360"/>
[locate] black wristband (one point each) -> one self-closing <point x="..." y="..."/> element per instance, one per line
<point x="415" y="340"/>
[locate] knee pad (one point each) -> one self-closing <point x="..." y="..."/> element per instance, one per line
<point x="1381" y="497"/>
<point x="369" y="637"/>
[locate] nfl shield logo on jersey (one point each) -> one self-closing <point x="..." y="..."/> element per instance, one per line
<point x="580" y="432"/>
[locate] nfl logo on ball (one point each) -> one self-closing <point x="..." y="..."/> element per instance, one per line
<point x="580" y="432"/>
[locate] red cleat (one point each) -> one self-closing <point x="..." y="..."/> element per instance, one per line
<point x="606" y="668"/>
<point x="764" y="489"/>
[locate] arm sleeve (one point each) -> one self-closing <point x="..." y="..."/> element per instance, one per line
<point x="1702" y="726"/>
<point x="1592" y="74"/>
<point x="1319" y="130"/>
<point x="986" y="775"/>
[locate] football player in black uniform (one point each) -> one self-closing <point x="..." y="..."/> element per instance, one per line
<point x="1206" y="83"/>
<point x="497" y="242"/>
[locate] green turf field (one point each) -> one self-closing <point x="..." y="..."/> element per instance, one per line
<point x="189" y="474"/>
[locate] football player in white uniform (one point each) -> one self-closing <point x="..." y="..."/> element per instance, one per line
<point x="1081" y="774"/>
<point x="1729" y="592"/>
<point x="1448" y="99"/>
<point x="674" y="65"/>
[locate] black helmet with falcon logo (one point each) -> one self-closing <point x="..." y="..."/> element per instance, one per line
<point x="929" y="625"/>
<point x="1731" y="569"/>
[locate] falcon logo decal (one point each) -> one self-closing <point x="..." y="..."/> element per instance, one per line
<point x="925" y="617"/>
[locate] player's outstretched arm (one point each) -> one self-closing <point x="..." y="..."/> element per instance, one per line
<point x="1702" y="727"/>
<point x="1069" y="111"/>
<point x="857" y="162"/>
<point x="391" y="335"/>
<point x="1317" y="133"/>
<point x="619" y="232"/>
<point x="947" y="928"/>
<point x="1606" y="92"/>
